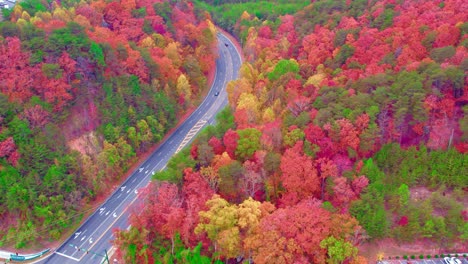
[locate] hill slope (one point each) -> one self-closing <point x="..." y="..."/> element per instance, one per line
<point x="85" y="88"/>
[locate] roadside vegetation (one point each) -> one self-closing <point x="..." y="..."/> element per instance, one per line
<point x="227" y="13"/>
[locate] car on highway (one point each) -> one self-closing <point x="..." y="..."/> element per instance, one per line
<point x="217" y="93"/>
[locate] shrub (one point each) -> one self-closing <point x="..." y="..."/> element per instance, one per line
<point x="405" y="257"/>
<point x="428" y="256"/>
<point x="442" y="255"/>
<point x="436" y="256"/>
<point x="421" y="256"/>
<point x="464" y="255"/>
<point x="397" y="257"/>
<point x="413" y="257"/>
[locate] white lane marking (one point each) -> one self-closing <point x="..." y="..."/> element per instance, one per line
<point x="122" y="188"/>
<point x="140" y="169"/>
<point x="128" y="191"/>
<point x="83" y="238"/>
<point x="136" y="191"/>
<point x="114" y="215"/>
<point x="146" y="172"/>
<point x="108" y="212"/>
<point x="104" y="221"/>
<point x="193" y="131"/>
<point x="70" y="257"/>
<point x="101" y="210"/>
<point x="90" y="240"/>
<point x="77" y="234"/>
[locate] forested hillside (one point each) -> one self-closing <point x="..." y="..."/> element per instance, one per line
<point x="348" y="125"/>
<point x="85" y="87"/>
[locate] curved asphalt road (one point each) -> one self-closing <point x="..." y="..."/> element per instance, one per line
<point x="95" y="233"/>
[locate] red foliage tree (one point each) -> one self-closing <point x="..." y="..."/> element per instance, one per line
<point x="447" y="35"/>
<point x="196" y="192"/>
<point x="7" y="147"/>
<point x="403" y="221"/>
<point x="16" y="75"/>
<point x="36" y="116"/>
<point x="313" y="133"/>
<point x="359" y="184"/>
<point x="217" y="145"/>
<point x="298" y="241"/>
<point x="299" y="176"/>
<point x="271" y="136"/>
<point x="230" y="141"/>
<point x="342" y="192"/>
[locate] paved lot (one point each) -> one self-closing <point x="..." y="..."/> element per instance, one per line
<point x="420" y="261"/>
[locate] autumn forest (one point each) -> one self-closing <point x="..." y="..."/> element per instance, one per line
<point x="347" y="126"/>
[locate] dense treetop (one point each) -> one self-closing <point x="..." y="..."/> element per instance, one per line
<point x="85" y="87"/>
<point x="342" y="109"/>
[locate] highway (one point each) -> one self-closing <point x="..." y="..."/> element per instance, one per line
<point x="95" y="234"/>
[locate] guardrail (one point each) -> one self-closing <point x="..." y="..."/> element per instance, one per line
<point x="19" y="258"/>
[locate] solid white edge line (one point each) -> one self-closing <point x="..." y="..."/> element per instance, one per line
<point x="70" y="257"/>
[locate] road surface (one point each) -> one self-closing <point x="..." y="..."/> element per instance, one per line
<point x="421" y="261"/>
<point x="95" y="233"/>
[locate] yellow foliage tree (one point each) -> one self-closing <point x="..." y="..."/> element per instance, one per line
<point x="183" y="87"/>
<point x="245" y="16"/>
<point x="173" y="51"/>
<point x="211" y="27"/>
<point x="147" y="42"/>
<point x="25" y="16"/>
<point x="61" y="14"/>
<point x="35" y="20"/>
<point x="221" y="160"/>
<point x="16" y="14"/>
<point x="250" y="103"/>
<point x="159" y="40"/>
<point x="21" y="22"/>
<point x="220" y="225"/>
<point x="45" y="16"/>
<point x="228" y="225"/>
<point x="268" y="115"/>
<point x="211" y="176"/>
<point x="82" y="21"/>
<point x="236" y="88"/>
